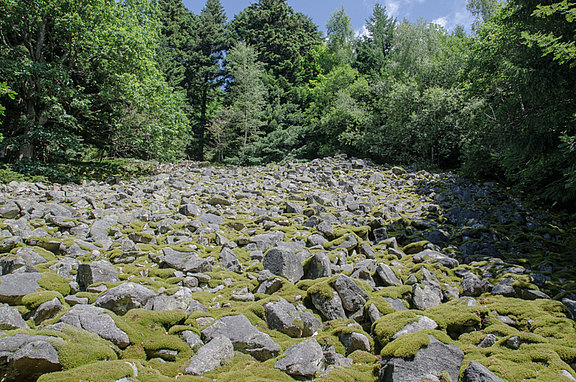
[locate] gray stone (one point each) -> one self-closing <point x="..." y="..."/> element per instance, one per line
<point x="284" y="317"/>
<point x="10" y="318"/>
<point x="266" y="241"/>
<point x="473" y="286"/>
<point x="218" y="352"/>
<point x="349" y="243"/>
<point x="35" y="357"/>
<point x="96" y="272"/>
<point x="15" y="286"/>
<point x="211" y="219"/>
<point x="229" y="260"/>
<point x="380" y="234"/>
<point x="303" y="360"/>
<point x="245" y="337"/>
<point x="432" y="360"/>
<point x="367" y="250"/>
<point x="283" y="262"/>
<point x="124" y="297"/>
<point x="531" y="294"/>
<point x="387" y="275"/>
<point x="310" y="324"/>
<point x="429" y="255"/>
<point x="9" y="210"/>
<point x="513" y="342"/>
<point x="331" y="308"/>
<point x="423" y="323"/>
<point x="316" y="240"/>
<point x="185" y="261"/>
<point x="47" y="310"/>
<point x="567" y="374"/>
<point x="318" y="266"/>
<point x="355" y="341"/>
<point x="476" y="372"/>
<point x="424" y="298"/>
<point x="182" y="299"/>
<point x="353" y="297"/>
<point x="488" y="341"/>
<point x="96" y="320"/>
<point x="192" y="339"/>
<point x="190" y="210"/>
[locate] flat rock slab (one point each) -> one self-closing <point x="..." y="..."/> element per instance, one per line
<point x="124" y="297"/>
<point x="245" y="337"/>
<point x="96" y="320"/>
<point x="15" y="286"/>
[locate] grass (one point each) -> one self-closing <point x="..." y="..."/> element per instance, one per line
<point x="75" y="171"/>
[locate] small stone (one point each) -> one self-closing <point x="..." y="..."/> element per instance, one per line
<point x="488" y="341"/>
<point x="303" y="360"/>
<point x="476" y="372"/>
<point x="218" y="352"/>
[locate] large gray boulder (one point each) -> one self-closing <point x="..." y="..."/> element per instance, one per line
<point x="229" y="260"/>
<point x="245" y="337"/>
<point x="182" y="299"/>
<point x="430" y="361"/>
<point x="473" y="286"/>
<point x="124" y="297"/>
<point x="353" y="297"/>
<point x="10" y="318"/>
<point x="96" y="320"/>
<point x="25" y="357"/>
<point x="318" y="266"/>
<point x="215" y="353"/>
<point x="284" y="317"/>
<point x="185" y="261"/>
<point x="96" y="272"/>
<point x="282" y="261"/>
<point x="303" y="360"/>
<point x="387" y="275"/>
<point x="15" y="286"/>
<point x="476" y="372"/>
<point x="331" y="308"/>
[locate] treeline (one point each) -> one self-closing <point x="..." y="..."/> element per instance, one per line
<point x="149" y="79"/>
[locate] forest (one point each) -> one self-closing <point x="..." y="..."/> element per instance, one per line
<point x="82" y="80"/>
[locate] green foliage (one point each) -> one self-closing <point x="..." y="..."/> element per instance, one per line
<point x="372" y="50"/>
<point x="244" y="117"/>
<point x="85" y="74"/>
<point x="340" y="37"/>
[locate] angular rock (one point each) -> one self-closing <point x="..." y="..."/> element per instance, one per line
<point x="96" y="272"/>
<point x="355" y="341"/>
<point x="283" y="262"/>
<point x="218" y="352"/>
<point x="429" y="255"/>
<point x="26" y="357"/>
<point x="182" y="299"/>
<point x="387" y="275"/>
<point x="9" y="210"/>
<point x="353" y="297"/>
<point x="192" y="339"/>
<point x="96" y="320"/>
<point x="476" y="372"/>
<point x="473" y="286"/>
<point x="10" y="318"/>
<point x="124" y="297"/>
<point x="15" y="286"/>
<point x="229" y="260"/>
<point x="424" y="298"/>
<point x="245" y="337"/>
<point x="423" y="323"/>
<point x="303" y="360"/>
<point x="310" y="324"/>
<point x="47" y="310"/>
<point x="331" y="308"/>
<point x="318" y="266"/>
<point x="185" y="261"/>
<point x="284" y="317"/>
<point x="431" y="360"/>
<point x="266" y="241"/>
<point x="190" y="210"/>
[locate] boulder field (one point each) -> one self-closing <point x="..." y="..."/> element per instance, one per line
<point x="330" y="270"/>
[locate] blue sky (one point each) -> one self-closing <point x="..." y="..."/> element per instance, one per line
<point x="448" y="13"/>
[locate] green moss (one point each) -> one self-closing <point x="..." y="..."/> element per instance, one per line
<point x="246" y="369"/>
<point x="47" y="255"/>
<point x="104" y="371"/>
<point x="407" y="346"/>
<point x="391" y="324"/>
<point x="361" y="356"/>
<point x="34" y="300"/>
<point x="91" y="296"/>
<point x="356" y="373"/>
<point x="52" y="281"/>
<point x="322" y="287"/>
<point x="457" y="319"/>
<point x="416" y="247"/>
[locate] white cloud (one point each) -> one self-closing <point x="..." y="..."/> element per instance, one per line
<point x="442" y="21"/>
<point x="392" y="7"/>
<point x="361" y="32"/>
